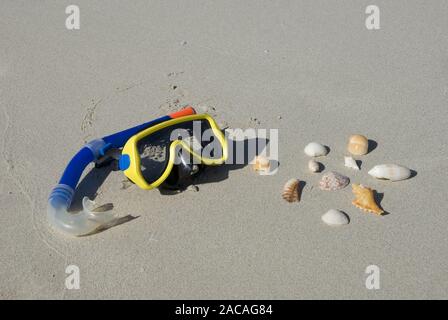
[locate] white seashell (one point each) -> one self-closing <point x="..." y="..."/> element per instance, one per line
<point x="333" y="181"/>
<point x="351" y="163"/>
<point x="335" y="217"/>
<point x="391" y="172"/>
<point x="314" y="149"/>
<point x="313" y="165"/>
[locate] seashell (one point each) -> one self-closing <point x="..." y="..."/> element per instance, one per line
<point x="291" y="191"/>
<point x="333" y="181"/>
<point x="335" y="217"/>
<point x="262" y="164"/>
<point x="365" y="199"/>
<point x="351" y="163"/>
<point x="313" y="165"/>
<point x="358" y="145"/>
<point x="314" y="149"/>
<point x="391" y="172"/>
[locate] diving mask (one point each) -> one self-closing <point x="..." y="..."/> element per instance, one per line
<point x="173" y="150"/>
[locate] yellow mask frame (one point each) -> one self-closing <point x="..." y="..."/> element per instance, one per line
<point x="130" y="150"/>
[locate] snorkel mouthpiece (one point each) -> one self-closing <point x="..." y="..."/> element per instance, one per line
<point x="76" y="224"/>
<point x="86" y="221"/>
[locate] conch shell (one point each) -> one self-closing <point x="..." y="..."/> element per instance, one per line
<point x="358" y="145"/>
<point x="365" y="199"/>
<point x="262" y="164"/>
<point x="291" y="191"/>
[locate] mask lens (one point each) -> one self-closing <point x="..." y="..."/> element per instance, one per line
<point x="154" y="149"/>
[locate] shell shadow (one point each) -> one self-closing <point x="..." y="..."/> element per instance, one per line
<point x="413" y="174"/>
<point x="372" y="145"/>
<point x="378" y="196"/>
<point x="273" y="165"/>
<point x="348" y="217"/>
<point x="359" y="163"/>
<point x="113" y="223"/>
<point x="321" y="167"/>
<point x="300" y="188"/>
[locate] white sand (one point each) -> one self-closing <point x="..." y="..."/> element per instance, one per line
<point x="311" y="62"/>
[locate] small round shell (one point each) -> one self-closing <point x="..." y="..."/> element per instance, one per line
<point x="314" y="149"/>
<point x="333" y="181"/>
<point x="291" y="191"/>
<point x="335" y="217"/>
<point x="262" y="164"/>
<point x="313" y="165"/>
<point x="358" y="145"/>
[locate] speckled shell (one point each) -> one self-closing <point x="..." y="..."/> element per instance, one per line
<point x="291" y="191"/>
<point x="358" y="145"/>
<point x="335" y="217"/>
<point x="333" y="181"/>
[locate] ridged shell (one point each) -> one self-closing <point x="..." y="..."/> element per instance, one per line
<point x="365" y="199"/>
<point x="261" y="163"/>
<point x="313" y="165"/>
<point x="391" y="172"/>
<point x="291" y="190"/>
<point x="358" y="145"/>
<point x="314" y="149"/>
<point x="333" y="181"/>
<point x="335" y="217"/>
<point x="349" y="162"/>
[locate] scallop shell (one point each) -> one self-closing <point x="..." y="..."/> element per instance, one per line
<point x="351" y="163"/>
<point x="391" y="172"/>
<point x="358" y="145"/>
<point x="291" y="191"/>
<point x="314" y="149"/>
<point x="335" y="217"/>
<point x="365" y="199"/>
<point x="333" y="181"/>
<point x="261" y="163"/>
<point x="313" y="165"/>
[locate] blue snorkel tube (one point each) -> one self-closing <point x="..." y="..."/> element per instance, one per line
<point x="60" y="199"/>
